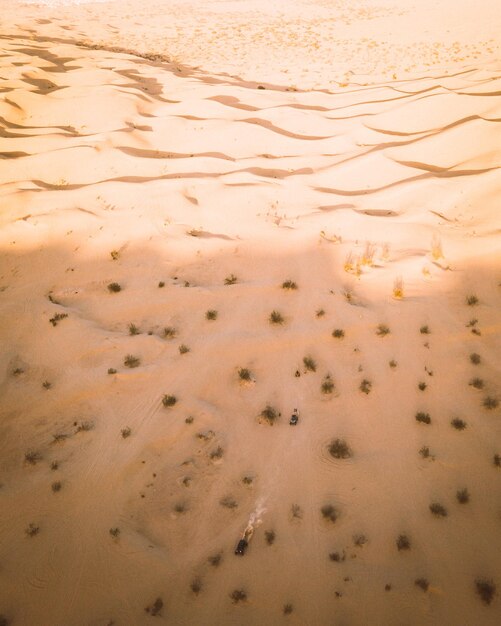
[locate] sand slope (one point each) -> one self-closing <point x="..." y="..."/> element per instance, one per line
<point x="116" y="169"/>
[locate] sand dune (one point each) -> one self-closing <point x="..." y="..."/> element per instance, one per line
<point x="151" y="222"/>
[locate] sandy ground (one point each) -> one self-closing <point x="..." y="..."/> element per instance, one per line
<point x="137" y="196"/>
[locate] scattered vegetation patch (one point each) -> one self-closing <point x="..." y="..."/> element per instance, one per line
<point x="115" y="532"/>
<point x="425" y="453"/>
<point x="269" y="414"/>
<point x="183" y="349"/>
<point x="287" y="610"/>
<point x="84" y="427"/>
<point x="57" y="318"/>
<point x="228" y="502"/>
<point x="471" y="300"/>
<point x="382" y="330"/>
<point x="161" y="284"/>
<point x="359" y="540"/>
<point x="309" y="364"/>
<point x="438" y="510"/>
<point x="422" y="386"/>
<point x="289" y="284"/>
<point x="276" y="318"/>
<point x="196" y="586"/>
<point x="132" y="361"/>
<point x="216" y="454"/>
<point x="393" y="364"/>
<point x="486" y="589"/>
<point x="211" y="314"/>
<point x="475" y="358"/>
<point x="270" y="537"/>
<point x="296" y="511"/>
<point x="155" y="608"/>
<point x="56" y="486"/>
<point x="168" y="400"/>
<point x="339" y="449"/>
<point x="245" y="374"/>
<point x="230" y="280"/>
<point x="32" y="530"/>
<point x="458" y="424"/>
<point x="247" y="480"/>
<point x="337" y="557"/>
<point x="365" y="386"/>
<point x="424" y="418"/>
<point x="46" y="384"/>
<point x="490" y="403"/>
<point x="169" y="332"/>
<point x="114" y="288"/>
<point x="133" y="329"/>
<point x="403" y="543"/>
<point x="126" y="432"/>
<point x="338" y="333"/>
<point x="32" y="457"/>
<point x="320" y="313"/>
<point x="462" y="496"/>
<point x="327" y="385"/>
<point x="112" y="370"/>
<point x="477" y="383"/>
<point x="238" y="595"/>
<point x="215" y="560"/>
<point x="424" y="330"/>
<point x="329" y="513"/>
<point x="422" y="583"/>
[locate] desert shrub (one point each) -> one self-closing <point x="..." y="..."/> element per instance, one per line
<point x="196" y="586"/>
<point x="329" y="512"/>
<point x="320" y="312"/>
<point x="244" y="374"/>
<point x="115" y="254"/>
<point x="276" y="318"/>
<point x="84" y="427"/>
<point x="155" y="608"/>
<point x="269" y="414"/>
<point x="398" y="288"/>
<point x="46" y="384"/>
<point x="337" y="557"/>
<point x="403" y="543"/>
<point x="339" y="449"/>
<point x="269" y="536"/>
<point x="216" y="454"/>
<point x="168" y="400"/>
<point x="327" y="385"/>
<point x="359" y="540"/>
<point x="32" y="457"/>
<point x="115" y="532"/>
<point x="228" y="502"/>
<point x="180" y="507"/>
<point x="497" y="460"/>
<point x="462" y="496"/>
<point x="126" y="432"/>
<point x="215" y="560"/>
<point x="230" y="280"/>
<point x="189" y="419"/>
<point x="309" y="364"/>
<point x="32" y="530"/>
<point x="458" y="424"/>
<point x="211" y="314"/>
<point x="393" y="363"/>
<point x="296" y="511"/>
<point x="438" y="510"/>
<point x="161" y="284"/>
<point x="114" y="288"/>
<point x="486" y="589"/>
<point x="477" y="383"/>
<point x="424" y="330"/>
<point x="132" y="361"/>
<point x="183" y="349"/>
<point x="289" y="284"/>
<point x="365" y="386"/>
<point x="238" y="595"/>
<point x="112" y="370"/>
<point x="490" y="403"/>
<point x="4" y="621"/>
<point x="287" y="610"/>
<point x="425" y="452"/>
<point x="475" y="358"/>
<point x="471" y="300"/>
<point x="133" y="329"/>
<point x="424" y="418"/>
<point x="247" y="480"/>
<point x="169" y="332"/>
<point x="57" y="318"/>
<point x="54" y="466"/>
<point x="338" y="333"/>
<point x="382" y="330"/>
<point x="56" y="486"/>
<point x="422" y="583"/>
